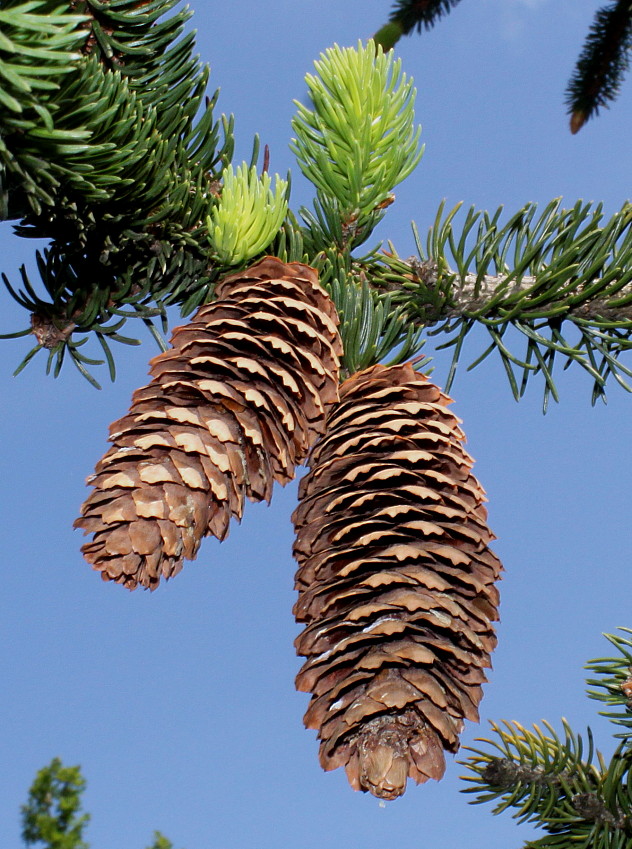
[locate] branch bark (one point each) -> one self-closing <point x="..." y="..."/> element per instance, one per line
<point x="472" y="294"/>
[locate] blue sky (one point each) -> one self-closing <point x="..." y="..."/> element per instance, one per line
<point x="180" y="704"/>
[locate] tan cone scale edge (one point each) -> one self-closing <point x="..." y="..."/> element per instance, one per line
<point x="233" y="406"/>
<point x="396" y="582"/>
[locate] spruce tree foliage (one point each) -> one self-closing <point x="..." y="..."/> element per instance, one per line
<point x="407" y="16"/>
<point x="561" y="782"/>
<point x="52" y="818"/>
<point x="604" y="61"/>
<point x="115" y="160"/>
<point x="598" y="74"/>
<point x="131" y="99"/>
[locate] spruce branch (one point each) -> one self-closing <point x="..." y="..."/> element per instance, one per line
<point x="39" y="47"/>
<point x="126" y="176"/>
<point x="408" y="15"/>
<point x="373" y="330"/>
<point x="361" y="103"/>
<point x="543" y="275"/>
<point x="602" y="63"/>
<point x="562" y="784"/>
<point x="359" y="140"/>
<point x="560" y="278"/>
<point x="613" y="686"/>
<point x="531" y="770"/>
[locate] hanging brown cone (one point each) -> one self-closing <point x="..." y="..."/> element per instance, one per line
<point x="395" y="580"/>
<point x="233" y="406"/>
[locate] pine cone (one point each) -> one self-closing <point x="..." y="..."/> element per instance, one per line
<point x="395" y="580"/>
<point x="233" y="406"/>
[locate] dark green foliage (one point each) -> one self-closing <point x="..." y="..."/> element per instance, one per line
<point x="564" y="785"/>
<point x="372" y="327"/>
<point x="415" y="14"/>
<point x="52" y="816"/>
<point x="39" y="49"/>
<point x="421" y="13"/>
<point x="125" y="172"/>
<point x="602" y="64"/>
<point x="408" y="15"/>
<point x="424" y="13"/>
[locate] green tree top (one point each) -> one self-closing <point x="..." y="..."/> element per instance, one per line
<point x="52" y="816"/>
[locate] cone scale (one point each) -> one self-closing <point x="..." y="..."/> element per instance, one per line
<point x="233" y="406"/>
<point x="396" y="583"/>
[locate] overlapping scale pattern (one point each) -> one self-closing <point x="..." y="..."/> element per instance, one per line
<point x="396" y="582"/>
<point x="233" y="406"/>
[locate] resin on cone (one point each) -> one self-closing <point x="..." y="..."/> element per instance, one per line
<point x="233" y="406"/>
<point x="396" y="582"/>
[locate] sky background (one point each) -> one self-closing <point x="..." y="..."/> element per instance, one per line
<point x="180" y="705"/>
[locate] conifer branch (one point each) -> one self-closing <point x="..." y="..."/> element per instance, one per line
<point x="361" y="102"/>
<point x="39" y="49"/>
<point x="143" y="243"/>
<point x="602" y="64"/>
<point x="408" y="15"/>
<point x="121" y="179"/>
<point x="562" y="785"/>
<point x="613" y="682"/>
<point x="539" y="274"/>
<point x="359" y="140"/>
